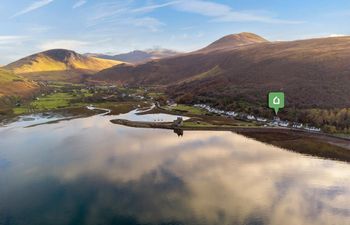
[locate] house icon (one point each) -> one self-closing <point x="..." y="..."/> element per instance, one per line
<point x="276" y="100"/>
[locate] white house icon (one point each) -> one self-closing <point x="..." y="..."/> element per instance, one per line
<point x="276" y="100"/>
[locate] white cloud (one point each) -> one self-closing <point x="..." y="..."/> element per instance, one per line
<point x="205" y="8"/>
<point x="120" y="14"/>
<point x="147" y="22"/>
<point x="35" y="28"/>
<point x="11" y="39"/>
<point x="34" y="6"/>
<point x="79" y="4"/>
<point x="153" y="7"/>
<point x="337" y="35"/>
<point x="65" y="44"/>
<point x="217" y="11"/>
<point x="224" y="13"/>
<point x="309" y="36"/>
<point x="104" y="10"/>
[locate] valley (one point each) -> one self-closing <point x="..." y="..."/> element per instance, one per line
<point x="174" y="112"/>
<point x="236" y="72"/>
<point x="222" y="85"/>
<point x="68" y="100"/>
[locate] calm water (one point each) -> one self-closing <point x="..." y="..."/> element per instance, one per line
<point x="90" y="171"/>
<point x="158" y="117"/>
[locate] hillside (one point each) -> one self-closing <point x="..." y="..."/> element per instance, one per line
<point x="136" y="57"/>
<point x="11" y="85"/>
<point x="58" y="61"/>
<point x="312" y="73"/>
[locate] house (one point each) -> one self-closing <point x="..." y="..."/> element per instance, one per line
<point x="283" y="124"/>
<point x="233" y="114"/>
<point x="275" y="123"/>
<point x="171" y="103"/>
<point x="313" y="129"/>
<point x="260" y="119"/>
<point x="251" y="117"/>
<point x="297" y="125"/>
<point x="276" y="118"/>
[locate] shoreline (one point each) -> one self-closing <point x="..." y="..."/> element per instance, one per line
<point x="238" y="129"/>
<point x="317" y="144"/>
<point x="308" y="143"/>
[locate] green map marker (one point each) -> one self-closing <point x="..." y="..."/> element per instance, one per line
<point x="276" y="101"/>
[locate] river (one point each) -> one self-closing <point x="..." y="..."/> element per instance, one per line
<point x="90" y="171"/>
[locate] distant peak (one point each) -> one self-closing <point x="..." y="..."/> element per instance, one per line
<point x="60" y="54"/>
<point x="59" y="51"/>
<point x="246" y="36"/>
<point x="235" y="40"/>
<point x="59" y="60"/>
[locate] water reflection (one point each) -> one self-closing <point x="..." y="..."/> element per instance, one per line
<point x="135" y="115"/>
<point x="179" y="132"/>
<point x="89" y="171"/>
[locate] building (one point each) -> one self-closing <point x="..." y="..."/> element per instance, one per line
<point x="178" y="122"/>
<point x="251" y="117"/>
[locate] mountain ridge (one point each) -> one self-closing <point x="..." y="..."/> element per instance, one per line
<point x="138" y="56"/>
<point x="251" y="71"/>
<point x="234" y="41"/>
<point x="58" y="60"/>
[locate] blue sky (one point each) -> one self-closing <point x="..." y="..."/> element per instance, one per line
<point x="116" y="26"/>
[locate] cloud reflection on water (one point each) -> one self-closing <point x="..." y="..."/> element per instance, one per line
<point x="153" y="176"/>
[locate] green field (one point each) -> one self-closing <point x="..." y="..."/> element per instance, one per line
<point x="48" y="102"/>
<point x="195" y="124"/>
<point x="61" y="84"/>
<point x="188" y="109"/>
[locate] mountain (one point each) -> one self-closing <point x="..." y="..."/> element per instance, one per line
<point x="58" y="63"/>
<point x="137" y="57"/>
<point x="234" y="41"/>
<point x="11" y="84"/>
<point x="312" y="73"/>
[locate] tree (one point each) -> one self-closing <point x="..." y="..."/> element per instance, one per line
<point x="185" y="99"/>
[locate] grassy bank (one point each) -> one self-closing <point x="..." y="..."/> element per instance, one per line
<point x="320" y="146"/>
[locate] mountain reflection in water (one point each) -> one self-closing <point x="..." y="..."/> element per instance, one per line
<point x="89" y="171"/>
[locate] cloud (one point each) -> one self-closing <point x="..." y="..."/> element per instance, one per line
<point x="106" y="11"/>
<point x="35" y="28"/>
<point x="337" y="35"/>
<point x="316" y="35"/>
<point x="125" y="13"/>
<point x="34" y="6"/>
<point x="224" y="13"/>
<point x="11" y="39"/>
<point x="65" y="44"/>
<point x="118" y="14"/>
<point x="205" y="8"/>
<point x="147" y="22"/>
<point x="79" y="4"/>
<point x="153" y="7"/>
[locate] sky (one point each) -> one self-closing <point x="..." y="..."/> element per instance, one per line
<point x="118" y="26"/>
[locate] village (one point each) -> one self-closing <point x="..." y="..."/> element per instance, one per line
<point x="71" y="95"/>
<point x="275" y="122"/>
